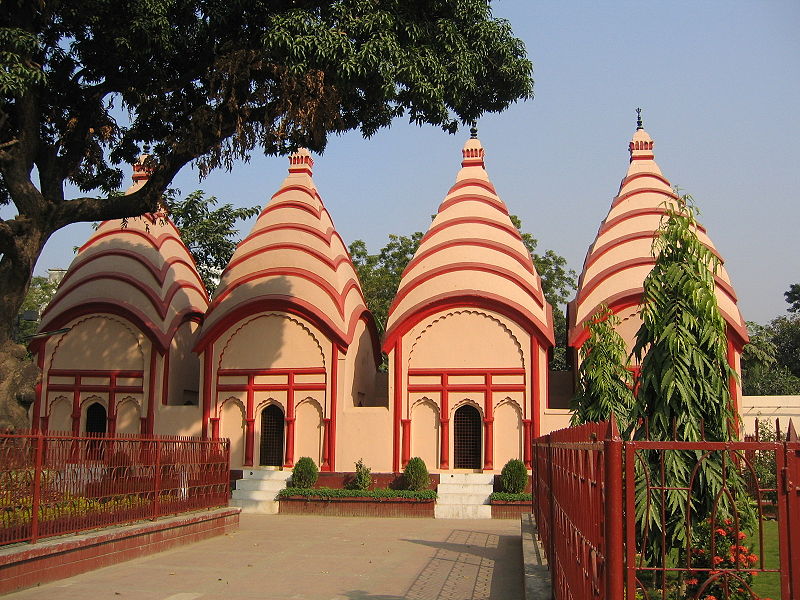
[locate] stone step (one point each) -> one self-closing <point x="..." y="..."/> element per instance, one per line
<point x="264" y="507"/>
<point x="470" y="478"/>
<point x="266" y="474"/>
<point x="254" y="494"/>
<point x="458" y="488"/>
<point x="466" y="499"/>
<point x="260" y="484"/>
<point x="462" y="511"/>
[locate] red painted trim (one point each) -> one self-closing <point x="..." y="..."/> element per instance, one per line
<point x="270" y="387"/>
<point x="629" y="178"/>
<point x="37" y="402"/>
<point x="249" y="435"/>
<point x="208" y="367"/>
<point x="526" y="442"/>
<point x="536" y="394"/>
<point x="444" y="425"/>
<point x="435" y="229"/>
<point x="647" y="190"/>
<point x="627" y="216"/>
<point x="159" y="275"/>
<point x="334" y="402"/>
<point x="262" y="372"/>
<point x="291" y="204"/>
<point x="488" y="421"/>
<point x="161" y="305"/>
<point x="645" y="157"/>
<point x="732" y="386"/>
<point x="313" y="252"/>
<point x="288" y="304"/>
<point x="290" y="419"/>
<point x="578" y="334"/>
<point x="98" y="306"/>
<point x="151" y="392"/>
<point x="155" y="242"/>
<point x="398" y="402"/>
<point x="165" y="377"/>
<point x="326" y="236"/>
<point x="595" y="253"/>
<point x="484" y="300"/>
<point x="587" y="288"/>
<point x="523" y="259"/>
<point x="494" y="203"/>
<point x="406" y="428"/>
<point x="408" y="287"/>
<point x="457" y="372"/>
<point x="325" y="467"/>
<point x="487" y="185"/>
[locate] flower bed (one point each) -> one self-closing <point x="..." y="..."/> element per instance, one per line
<point x="509" y="506"/>
<point x="356" y="503"/>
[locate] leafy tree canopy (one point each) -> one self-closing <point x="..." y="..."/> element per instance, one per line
<point x="762" y="375"/>
<point x="210" y="235"/>
<point x="605" y="384"/>
<point x="85" y="85"/>
<point x="793" y="297"/>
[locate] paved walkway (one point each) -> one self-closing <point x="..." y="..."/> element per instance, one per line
<point x="286" y="557"/>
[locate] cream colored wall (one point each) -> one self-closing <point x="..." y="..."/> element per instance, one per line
<point x="553" y="419"/>
<point x="128" y="415"/>
<point x="60" y="414"/>
<point x="99" y="342"/>
<point x="770" y="408"/>
<point x="508" y="424"/>
<point x="179" y="420"/>
<point x="184" y="366"/>
<point x="425" y="432"/>
<point x="232" y="427"/>
<point x="359" y="372"/>
<point x="364" y="433"/>
<point x="308" y="430"/>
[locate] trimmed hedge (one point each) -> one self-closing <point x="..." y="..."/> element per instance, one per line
<point x="322" y="493"/>
<point x="506" y="497"/>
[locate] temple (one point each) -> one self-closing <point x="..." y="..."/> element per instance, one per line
<point x="285" y="360"/>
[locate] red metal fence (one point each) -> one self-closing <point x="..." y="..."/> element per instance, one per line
<point x="54" y="483"/>
<point x="600" y="545"/>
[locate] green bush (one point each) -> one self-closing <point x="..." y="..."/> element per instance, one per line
<point x="305" y="473"/>
<point x="415" y="475"/>
<point x="514" y="477"/>
<point x="506" y="497"/>
<point x="322" y="493"/>
<point x="362" y="478"/>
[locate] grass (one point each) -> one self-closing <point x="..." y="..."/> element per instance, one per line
<point x="767" y="585"/>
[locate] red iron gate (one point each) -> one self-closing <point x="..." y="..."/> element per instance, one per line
<point x="589" y="528"/>
<point x="54" y="483"/>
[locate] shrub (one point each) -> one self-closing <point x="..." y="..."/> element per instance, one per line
<point x="514" y="477"/>
<point x="379" y="494"/>
<point x="362" y="478"/>
<point x="508" y="497"/>
<point x="415" y="474"/>
<point x="305" y="473"/>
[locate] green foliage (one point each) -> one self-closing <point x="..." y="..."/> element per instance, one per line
<point x="40" y="292"/>
<point x="511" y="497"/>
<point x="761" y="373"/>
<point x="415" y="475"/>
<point x="304" y="473"/>
<point x="514" y="476"/>
<point x="683" y="385"/>
<point x="763" y="463"/>
<point x="793" y="298"/>
<point x="380" y="273"/>
<point x="362" y="478"/>
<point x="605" y="383"/>
<point x="786" y="337"/>
<point x="210" y="235"/>
<point x="347" y="493"/>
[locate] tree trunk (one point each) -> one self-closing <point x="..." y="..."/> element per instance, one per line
<point x="18" y="374"/>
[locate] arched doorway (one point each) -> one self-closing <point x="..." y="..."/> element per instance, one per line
<point x="467" y="438"/>
<point x="96" y="420"/>
<point x="271" y="454"/>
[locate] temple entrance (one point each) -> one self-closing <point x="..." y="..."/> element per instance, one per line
<point x="96" y="420"/>
<point x="467" y="438"/>
<point x="271" y="449"/>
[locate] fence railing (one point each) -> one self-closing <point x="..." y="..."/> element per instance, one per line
<point x="614" y="525"/>
<point x="52" y="483"/>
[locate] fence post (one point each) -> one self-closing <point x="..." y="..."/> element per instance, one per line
<point x="37" y="487"/>
<point x="791" y="485"/>
<point x="614" y="571"/>
<point x="157" y="480"/>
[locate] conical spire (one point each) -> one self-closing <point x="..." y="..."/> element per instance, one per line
<point x="471" y="253"/>
<point x="293" y="257"/>
<point x="621" y="257"/>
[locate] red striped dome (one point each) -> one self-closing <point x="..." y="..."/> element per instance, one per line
<point x="142" y="270"/>
<point x="472" y="252"/>
<point x="294" y="258"/>
<point x="620" y="258"/>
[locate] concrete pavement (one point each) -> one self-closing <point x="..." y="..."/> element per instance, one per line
<point x="285" y="557"/>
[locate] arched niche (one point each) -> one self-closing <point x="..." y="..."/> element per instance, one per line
<point x="425" y="432"/>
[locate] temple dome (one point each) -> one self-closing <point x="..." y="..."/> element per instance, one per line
<point x="472" y="253"/>
<point x="140" y="269"/>
<point x="293" y="259"/>
<point x="620" y="258"/>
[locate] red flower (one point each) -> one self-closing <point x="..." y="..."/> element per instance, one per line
<point x="717" y="559"/>
<point x="742" y="535"/>
<point x="720" y="531"/>
<point x="691" y="581"/>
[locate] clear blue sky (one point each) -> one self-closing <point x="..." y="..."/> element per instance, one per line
<point x="719" y="85"/>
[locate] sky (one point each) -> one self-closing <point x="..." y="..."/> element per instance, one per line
<point x="719" y="87"/>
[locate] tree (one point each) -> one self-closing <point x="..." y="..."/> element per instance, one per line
<point x="786" y="337"/>
<point x="210" y="235"/>
<point x="761" y="373"/>
<point x="85" y="85"/>
<point x="684" y="378"/>
<point x="605" y="383"/>
<point x="793" y="297"/>
<point x="40" y="292"/>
